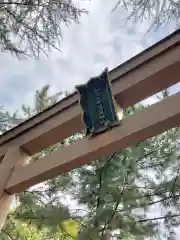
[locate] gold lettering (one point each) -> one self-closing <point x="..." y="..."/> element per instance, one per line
<point x="101" y="112"/>
<point x="102" y="121"/>
<point x="102" y="116"/>
<point x="99" y="106"/>
<point x="97" y="91"/>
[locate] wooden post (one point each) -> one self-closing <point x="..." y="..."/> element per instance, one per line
<point x="12" y="158"/>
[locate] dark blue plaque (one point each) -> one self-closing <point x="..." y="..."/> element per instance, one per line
<point x="97" y="102"/>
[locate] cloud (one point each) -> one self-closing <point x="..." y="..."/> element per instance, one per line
<point x="101" y="39"/>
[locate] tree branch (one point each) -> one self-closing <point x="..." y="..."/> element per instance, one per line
<point x="22" y="4"/>
<point x="158" y="218"/>
<point x="150" y="203"/>
<point x="101" y="183"/>
<point x="149" y="153"/>
<point x="174" y="184"/>
<point x="8" y="234"/>
<point x="116" y="206"/>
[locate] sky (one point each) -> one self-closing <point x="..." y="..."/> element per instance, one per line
<point x="101" y="39"/>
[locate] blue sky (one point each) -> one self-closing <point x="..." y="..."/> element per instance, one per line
<point x="100" y="40"/>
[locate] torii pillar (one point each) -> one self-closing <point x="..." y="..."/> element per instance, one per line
<point x="12" y="159"/>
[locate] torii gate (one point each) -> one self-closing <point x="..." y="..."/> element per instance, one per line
<point x="153" y="70"/>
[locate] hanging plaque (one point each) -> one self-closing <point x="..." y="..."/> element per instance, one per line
<point x="98" y="104"/>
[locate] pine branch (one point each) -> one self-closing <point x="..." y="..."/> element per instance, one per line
<point x="117" y="4"/>
<point x="164" y="199"/>
<point x="83" y="225"/>
<point x="101" y="178"/>
<point x="145" y="187"/>
<point x="152" y="165"/>
<point x="43" y="191"/>
<point x="35" y="195"/>
<point x="150" y="203"/>
<point x="116" y="206"/>
<point x="67" y="234"/>
<point x="36" y="25"/>
<point x="29" y="218"/>
<point x="151" y="152"/>
<point x="8" y="234"/>
<point x="36" y="218"/>
<point x="12" y="223"/>
<point x="100" y="187"/>
<point x="23" y="4"/>
<point x="158" y="218"/>
<point x="174" y="184"/>
<point x="155" y="193"/>
<point x="101" y="184"/>
<point x="148" y="195"/>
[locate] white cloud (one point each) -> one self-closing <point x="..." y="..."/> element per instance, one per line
<point x="101" y="39"/>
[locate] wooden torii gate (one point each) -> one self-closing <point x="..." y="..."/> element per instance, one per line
<point x="151" y="71"/>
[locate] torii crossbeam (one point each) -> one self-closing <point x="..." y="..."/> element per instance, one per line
<point x="153" y="70"/>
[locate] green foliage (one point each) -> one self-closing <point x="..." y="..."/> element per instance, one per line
<point x="160" y="12"/>
<point x="32" y="27"/>
<point x="8" y="120"/>
<point x="71" y="227"/>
